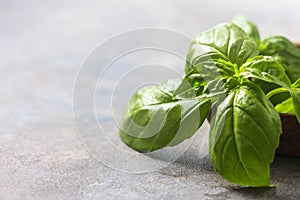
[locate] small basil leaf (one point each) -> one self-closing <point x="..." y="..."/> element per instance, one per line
<point x="295" y="93"/>
<point x="267" y="69"/>
<point x="290" y="105"/>
<point x="196" y="81"/>
<point x="244" y="135"/>
<point x="163" y="115"/>
<point x="286" y="107"/>
<point x="285" y="52"/>
<point x="249" y="27"/>
<point x="227" y="43"/>
<point x="215" y="74"/>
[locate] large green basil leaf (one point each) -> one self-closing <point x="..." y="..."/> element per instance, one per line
<point x="227" y="43"/>
<point x="163" y="115"/>
<point x="265" y="68"/>
<point x="285" y="52"/>
<point x="244" y="135"/>
<point x="249" y="27"/>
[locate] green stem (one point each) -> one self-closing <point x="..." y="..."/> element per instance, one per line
<point x="276" y="91"/>
<point x="236" y="70"/>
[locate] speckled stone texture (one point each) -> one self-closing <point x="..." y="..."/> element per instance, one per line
<point x="42" y="46"/>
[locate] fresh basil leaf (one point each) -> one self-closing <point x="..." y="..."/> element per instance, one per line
<point x="196" y="81"/>
<point x="295" y="93"/>
<point x="286" y="107"/>
<point x="267" y="69"/>
<point x="215" y="74"/>
<point x="163" y="115"/>
<point x="249" y="27"/>
<point x="216" y="55"/>
<point x="285" y="52"/>
<point x="244" y="135"/>
<point x="291" y="105"/>
<point x="226" y="43"/>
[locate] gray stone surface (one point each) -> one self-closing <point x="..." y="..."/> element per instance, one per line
<point x="42" y="46"/>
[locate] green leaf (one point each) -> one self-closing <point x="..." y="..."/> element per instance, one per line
<point x="215" y="56"/>
<point x="214" y="74"/>
<point x="196" y="81"/>
<point x="295" y="93"/>
<point x="244" y="135"/>
<point x="285" y="52"/>
<point x="269" y="75"/>
<point x="227" y="43"/>
<point x="163" y="115"/>
<point x="286" y="107"/>
<point x="249" y="27"/>
<point x="267" y="69"/>
<point x="291" y="105"/>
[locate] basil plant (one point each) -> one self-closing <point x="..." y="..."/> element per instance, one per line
<point x="243" y="82"/>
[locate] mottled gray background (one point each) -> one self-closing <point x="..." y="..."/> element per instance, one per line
<point x="42" y="45"/>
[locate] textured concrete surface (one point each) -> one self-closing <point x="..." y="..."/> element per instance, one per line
<point x="42" y="47"/>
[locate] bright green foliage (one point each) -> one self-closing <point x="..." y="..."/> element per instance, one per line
<point x="163" y="115"/>
<point x="244" y="135"/>
<point x="249" y="82"/>
<point x="285" y="52"/>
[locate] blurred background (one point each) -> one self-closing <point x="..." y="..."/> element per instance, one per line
<point x="42" y="45"/>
